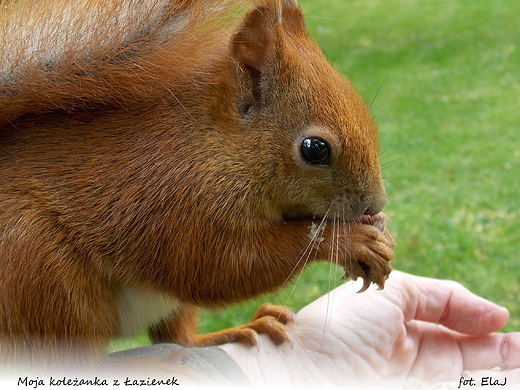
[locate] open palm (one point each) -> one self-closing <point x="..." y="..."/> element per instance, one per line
<point x="416" y="332"/>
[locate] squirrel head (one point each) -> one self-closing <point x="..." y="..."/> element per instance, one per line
<point x="303" y="131"/>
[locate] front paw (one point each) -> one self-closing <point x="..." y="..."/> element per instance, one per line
<point x="370" y="250"/>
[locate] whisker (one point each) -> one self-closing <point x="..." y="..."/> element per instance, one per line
<point x="313" y="244"/>
<point x="388" y="156"/>
<point x="348" y="234"/>
<point x="393" y="203"/>
<point x="334" y="255"/>
<point x="399" y="134"/>
<point x="383" y="110"/>
<point x="397" y="184"/>
<point x="333" y="251"/>
<point x="381" y="86"/>
<point x="387" y="164"/>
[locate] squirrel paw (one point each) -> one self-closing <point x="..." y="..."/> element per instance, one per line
<point x="370" y="251"/>
<point x="269" y="319"/>
<point x="272" y="320"/>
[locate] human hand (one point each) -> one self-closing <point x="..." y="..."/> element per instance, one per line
<point x="390" y="338"/>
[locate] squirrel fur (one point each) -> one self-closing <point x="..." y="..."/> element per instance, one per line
<point x="151" y="164"/>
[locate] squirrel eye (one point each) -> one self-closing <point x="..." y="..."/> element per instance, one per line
<point x="315" y="151"/>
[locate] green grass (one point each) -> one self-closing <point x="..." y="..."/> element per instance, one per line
<point x="444" y="78"/>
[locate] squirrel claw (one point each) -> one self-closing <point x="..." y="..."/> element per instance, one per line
<point x="366" y="285"/>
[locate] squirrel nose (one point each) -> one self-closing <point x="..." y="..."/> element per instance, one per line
<point x="369" y="212"/>
<point x="374" y="205"/>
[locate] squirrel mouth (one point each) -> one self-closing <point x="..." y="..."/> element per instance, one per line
<point x="378" y="221"/>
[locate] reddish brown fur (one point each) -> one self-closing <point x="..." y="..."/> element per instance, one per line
<point x="136" y="164"/>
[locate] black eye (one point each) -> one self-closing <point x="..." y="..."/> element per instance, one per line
<point x="315" y="151"/>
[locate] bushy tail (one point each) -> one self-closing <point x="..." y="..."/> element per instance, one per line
<point x="65" y="54"/>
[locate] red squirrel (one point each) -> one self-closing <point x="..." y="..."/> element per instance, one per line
<point x="161" y="156"/>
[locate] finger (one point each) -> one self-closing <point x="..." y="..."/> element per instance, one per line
<point x="494" y="350"/>
<point x="447" y="303"/>
<point x="444" y="354"/>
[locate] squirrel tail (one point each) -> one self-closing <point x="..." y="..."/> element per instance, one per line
<point x="65" y="54"/>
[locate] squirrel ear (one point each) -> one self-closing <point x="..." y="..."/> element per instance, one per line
<point x="252" y="43"/>
<point x="252" y="48"/>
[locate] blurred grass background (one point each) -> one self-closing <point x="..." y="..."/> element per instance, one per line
<point x="443" y="78"/>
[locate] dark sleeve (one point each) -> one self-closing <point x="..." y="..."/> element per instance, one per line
<point x="211" y="362"/>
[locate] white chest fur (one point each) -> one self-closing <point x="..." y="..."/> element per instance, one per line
<point x="139" y="308"/>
